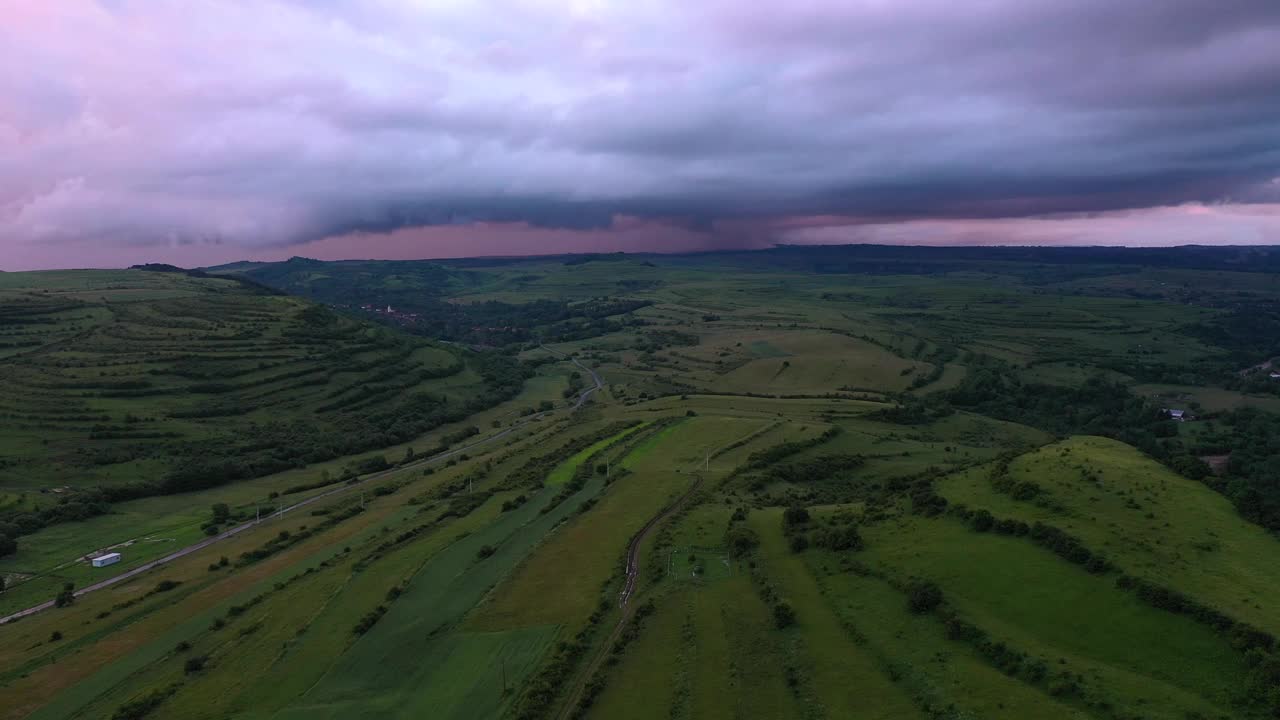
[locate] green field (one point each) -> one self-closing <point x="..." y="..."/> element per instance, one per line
<point x="857" y="485"/>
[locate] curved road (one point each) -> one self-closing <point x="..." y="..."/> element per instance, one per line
<point x="231" y="532"/>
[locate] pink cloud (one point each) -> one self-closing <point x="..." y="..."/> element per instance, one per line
<point x="1189" y="224"/>
<point x="625" y="234"/>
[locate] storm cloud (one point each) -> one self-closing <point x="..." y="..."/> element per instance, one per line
<point x="252" y="125"/>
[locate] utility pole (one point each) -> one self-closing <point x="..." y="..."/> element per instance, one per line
<point x="708" y="465"/>
<point x="257" y="513"/>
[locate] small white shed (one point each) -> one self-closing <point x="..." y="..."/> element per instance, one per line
<point x="105" y="560"/>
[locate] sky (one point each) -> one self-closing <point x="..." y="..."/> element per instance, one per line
<point x="197" y="132"/>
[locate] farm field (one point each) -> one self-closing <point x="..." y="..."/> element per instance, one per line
<point x="807" y="483"/>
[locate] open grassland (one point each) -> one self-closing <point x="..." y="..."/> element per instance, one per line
<point x="932" y="668"/>
<point x="844" y="677"/>
<point x="1138" y="658"/>
<point x="1148" y="520"/>
<point x="834" y="429"/>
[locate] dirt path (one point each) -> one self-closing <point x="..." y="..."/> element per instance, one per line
<point x="624" y="600"/>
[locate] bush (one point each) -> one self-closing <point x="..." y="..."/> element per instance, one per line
<point x="66" y="596"/>
<point x="843" y="538"/>
<point x="143" y="706"/>
<point x="485" y="551"/>
<point x="783" y="615"/>
<point x="923" y="596"/>
<point x="194" y="665"/>
<point x="370" y="619"/>
<point x="981" y="520"/>
<point x="795" y="515"/>
<point x="741" y="540"/>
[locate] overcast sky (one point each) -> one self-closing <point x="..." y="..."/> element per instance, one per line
<point x="199" y="131"/>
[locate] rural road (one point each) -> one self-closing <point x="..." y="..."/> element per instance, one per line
<point x="231" y="532"/>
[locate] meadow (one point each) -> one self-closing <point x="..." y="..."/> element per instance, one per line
<point x="815" y="484"/>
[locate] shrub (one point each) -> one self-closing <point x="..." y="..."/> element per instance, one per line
<point x="795" y="515"/>
<point x="783" y="615"/>
<point x="981" y="520"/>
<point x="843" y="538"/>
<point x="741" y="540"/>
<point x="923" y="596"/>
<point x="66" y="596"/>
<point x="194" y="665"/>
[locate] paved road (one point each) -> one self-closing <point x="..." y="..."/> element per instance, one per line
<point x="232" y="532"/>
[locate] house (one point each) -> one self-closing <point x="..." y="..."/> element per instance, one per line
<point x="1179" y="415"/>
<point x="1275" y="375"/>
<point x="105" y="560"/>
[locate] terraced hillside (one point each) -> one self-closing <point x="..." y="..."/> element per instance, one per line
<point x="119" y="385"/>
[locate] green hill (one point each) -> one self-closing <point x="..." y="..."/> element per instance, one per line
<point x="827" y="483"/>
<point x="122" y="384"/>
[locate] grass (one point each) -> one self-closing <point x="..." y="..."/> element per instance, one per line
<point x="378" y="673"/>
<point x="1145" y="518"/>
<point x="931" y="667"/>
<point x="486" y="596"/>
<point x="565" y="470"/>
<point x="710" y="653"/>
<point x="695" y="564"/>
<point x="562" y="580"/>
<point x="1164" y="664"/>
<point x="844" y="677"/>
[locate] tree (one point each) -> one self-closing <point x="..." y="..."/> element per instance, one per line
<point x="66" y="596"/>
<point x="221" y="513"/>
<point x="8" y="545"/>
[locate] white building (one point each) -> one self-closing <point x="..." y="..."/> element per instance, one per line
<point x="105" y="560"/>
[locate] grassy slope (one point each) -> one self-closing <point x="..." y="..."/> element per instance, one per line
<point x="711" y="649"/>
<point x="1136" y="656"/>
<point x="845" y="678"/>
<point x="1192" y="541"/>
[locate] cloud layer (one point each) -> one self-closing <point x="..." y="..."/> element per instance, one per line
<point x="260" y="125"/>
